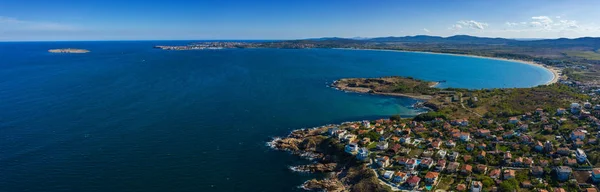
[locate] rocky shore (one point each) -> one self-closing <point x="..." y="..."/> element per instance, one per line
<point x="344" y="172"/>
<point x="312" y="144"/>
<point x="331" y="185"/>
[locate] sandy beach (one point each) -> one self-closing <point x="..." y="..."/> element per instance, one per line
<point x="555" y="71"/>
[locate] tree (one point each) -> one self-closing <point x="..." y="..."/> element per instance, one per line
<point x="509" y="185"/>
<point x="395" y="118"/>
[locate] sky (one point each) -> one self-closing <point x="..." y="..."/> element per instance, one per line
<point x="76" y="20"/>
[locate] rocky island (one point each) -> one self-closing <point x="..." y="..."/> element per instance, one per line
<point x="68" y="50"/>
<point x="518" y="139"/>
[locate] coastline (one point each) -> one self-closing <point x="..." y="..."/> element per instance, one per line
<point x="418" y="97"/>
<point x="556" y="73"/>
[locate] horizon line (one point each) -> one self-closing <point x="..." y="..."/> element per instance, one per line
<point x="290" y="39"/>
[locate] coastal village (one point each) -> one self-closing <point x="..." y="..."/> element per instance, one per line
<point x="540" y="150"/>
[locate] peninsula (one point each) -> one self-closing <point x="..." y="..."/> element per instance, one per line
<point x="68" y="50"/>
<point x="393" y="86"/>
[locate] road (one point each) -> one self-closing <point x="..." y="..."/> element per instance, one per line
<point x="463" y="106"/>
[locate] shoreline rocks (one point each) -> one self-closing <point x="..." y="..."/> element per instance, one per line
<point x="331" y="185"/>
<point x="316" y="168"/>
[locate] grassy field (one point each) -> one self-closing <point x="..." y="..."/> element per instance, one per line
<point x="415" y="152"/>
<point x="445" y="183"/>
<point x="591" y="55"/>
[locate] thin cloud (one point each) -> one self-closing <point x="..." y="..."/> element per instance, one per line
<point x="473" y="24"/>
<point x="545" y="23"/>
<point x="456" y="27"/>
<point x="426" y="30"/>
<point x="14" y="24"/>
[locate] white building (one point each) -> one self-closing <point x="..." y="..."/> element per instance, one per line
<point x="363" y="154"/>
<point x="476" y="186"/>
<point x="587" y="105"/>
<point x="366" y="124"/>
<point x="464" y="136"/>
<point x="351" y="148"/>
<point x="575" y="108"/>
<point x="580" y="155"/>
<point x="388" y="174"/>
<point x="382" y="145"/>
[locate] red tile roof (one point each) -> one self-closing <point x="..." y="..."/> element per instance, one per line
<point x="413" y="179"/>
<point x="431" y="175"/>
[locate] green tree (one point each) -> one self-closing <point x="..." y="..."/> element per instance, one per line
<point x="395" y="118"/>
<point x="509" y="185"/>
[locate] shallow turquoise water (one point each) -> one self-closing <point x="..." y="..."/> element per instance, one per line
<point x="127" y="117"/>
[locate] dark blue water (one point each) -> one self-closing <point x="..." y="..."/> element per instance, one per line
<point x="127" y="117"/>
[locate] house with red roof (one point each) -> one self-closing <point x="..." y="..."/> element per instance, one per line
<point x="431" y="177"/>
<point x="413" y="181"/>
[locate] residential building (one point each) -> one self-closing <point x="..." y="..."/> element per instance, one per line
<point x="388" y="174"/>
<point x="452" y="167"/>
<point x="365" y="141"/>
<point x="526" y="184"/>
<point x="481" y="168"/>
<point x="596" y="175"/>
<point x="465" y="136"/>
<point x="399" y="177"/>
<point x="366" y="124"/>
<point x="577" y="135"/>
<point x="537" y="171"/>
<point x="580" y="155"/>
<point x="351" y="148"/>
<point x="453" y="156"/>
<point x="509" y="174"/>
<point x="481" y="155"/>
<point x="466" y="169"/>
<point x="431" y="177"/>
<point x="450" y="144"/>
<point x="413" y="181"/>
<point x="483" y="132"/>
<point x="440" y="165"/>
<point x="383" y="161"/>
<point x="495" y="174"/>
<point x="575" y="108"/>
<point x="587" y="105"/>
<point x="476" y="186"/>
<point x="411" y="164"/>
<point x="363" y="154"/>
<point x="513" y="120"/>
<point x="441" y="154"/>
<point x="548" y="147"/>
<point x="426" y="163"/>
<point x="563" y="173"/>
<point x="563" y="151"/>
<point x="382" y="145"/>
<point x="560" y="111"/>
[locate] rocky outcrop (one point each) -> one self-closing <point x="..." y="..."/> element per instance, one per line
<point x="316" y="168"/>
<point x="330" y="185"/>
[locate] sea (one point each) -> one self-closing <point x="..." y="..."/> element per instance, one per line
<point x="128" y="117"/>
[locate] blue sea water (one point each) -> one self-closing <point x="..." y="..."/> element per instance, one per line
<point x="127" y="117"/>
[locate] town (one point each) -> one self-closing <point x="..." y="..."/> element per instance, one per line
<point x="544" y="149"/>
<point x="530" y="151"/>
